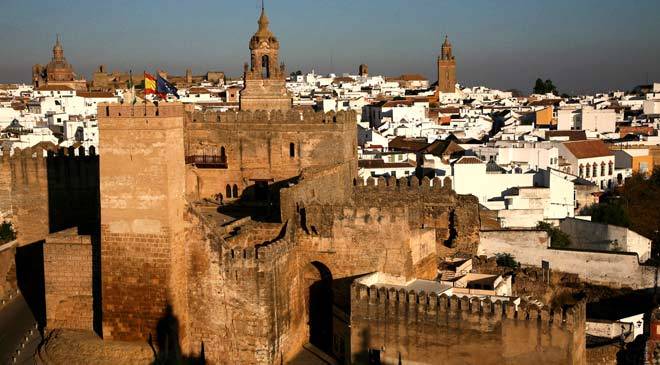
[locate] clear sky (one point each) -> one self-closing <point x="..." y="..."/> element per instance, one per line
<point x="582" y="45"/>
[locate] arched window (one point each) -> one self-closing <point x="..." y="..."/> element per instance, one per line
<point x="588" y="174"/>
<point x="292" y="150"/>
<point x="107" y="111"/>
<point x="235" y="191"/>
<point x="223" y="155"/>
<point x="611" y="172"/>
<point x="265" y="67"/>
<point x="595" y="169"/>
<point x="581" y="171"/>
<point x="228" y="191"/>
<point x="602" y="169"/>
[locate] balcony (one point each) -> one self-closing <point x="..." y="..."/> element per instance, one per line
<point x="207" y="162"/>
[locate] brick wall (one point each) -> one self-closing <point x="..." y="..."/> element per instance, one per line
<point x="68" y="272"/>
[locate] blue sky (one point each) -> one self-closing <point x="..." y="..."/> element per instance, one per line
<point x="583" y="45"/>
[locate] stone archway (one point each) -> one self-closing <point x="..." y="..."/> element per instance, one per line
<point x="318" y="299"/>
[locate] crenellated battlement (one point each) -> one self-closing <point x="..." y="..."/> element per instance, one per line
<point x="404" y="183"/>
<point x="412" y="306"/>
<point x="272" y="117"/>
<point x="40" y="152"/>
<point x="147" y="109"/>
<point x="352" y="214"/>
<point x="250" y="256"/>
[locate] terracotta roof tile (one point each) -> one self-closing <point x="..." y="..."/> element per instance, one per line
<point x="572" y="135"/>
<point x="380" y="164"/>
<point x="469" y="160"/>
<point x="55" y="88"/>
<point x="588" y="149"/>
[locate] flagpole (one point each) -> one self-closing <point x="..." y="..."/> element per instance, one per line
<point x="130" y="80"/>
<point x="144" y="77"/>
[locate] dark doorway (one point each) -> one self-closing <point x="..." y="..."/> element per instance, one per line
<point x="320" y="306"/>
<point x="261" y="190"/>
<point x="374" y="357"/>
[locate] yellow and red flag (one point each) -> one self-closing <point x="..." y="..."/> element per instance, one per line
<point x="149" y="84"/>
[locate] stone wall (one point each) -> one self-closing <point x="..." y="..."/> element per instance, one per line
<point x="331" y="185"/>
<point x="421" y="328"/>
<point x="142" y="198"/>
<point x="8" y="282"/>
<point x="530" y="247"/>
<point x="259" y="145"/>
<point x="248" y="302"/>
<point x="48" y="191"/>
<point x="24" y="193"/>
<point x="605" y="237"/>
<point x="68" y="272"/>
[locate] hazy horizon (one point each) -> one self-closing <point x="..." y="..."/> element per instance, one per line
<point x="585" y="47"/>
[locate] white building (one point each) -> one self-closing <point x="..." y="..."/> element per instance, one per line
<point x="590" y="160"/>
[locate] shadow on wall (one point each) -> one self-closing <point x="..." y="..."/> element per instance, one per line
<point x="260" y="201"/>
<point x="167" y="349"/>
<point x="73" y="191"/>
<point x="74" y="200"/>
<point x="30" y="278"/>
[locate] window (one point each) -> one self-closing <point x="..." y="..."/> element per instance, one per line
<point x="265" y="65"/>
<point x="595" y="169"/>
<point x="610" y="172"/>
<point x="235" y="191"/>
<point x="292" y="150"/>
<point x="223" y="155"/>
<point x="228" y="191"/>
<point x="588" y="174"/>
<point x="602" y="169"/>
<point x="581" y="171"/>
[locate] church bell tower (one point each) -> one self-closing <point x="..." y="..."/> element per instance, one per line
<point x="264" y="77"/>
<point x="446" y="69"/>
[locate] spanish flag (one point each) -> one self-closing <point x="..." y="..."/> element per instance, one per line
<point x="149" y="84"/>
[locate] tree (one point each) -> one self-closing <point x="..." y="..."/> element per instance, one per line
<point x="7" y="232"/>
<point x="544" y="87"/>
<point x="558" y="239"/>
<point x="610" y="213"/>
<point x="506" y="260"/>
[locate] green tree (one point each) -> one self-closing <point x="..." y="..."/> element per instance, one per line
<point x="506" y="260"/>
<point x="544" y="87"/>
<point x="558" y="239"/>
<point x="7" y="232"/>
<point x="610" y="213"/>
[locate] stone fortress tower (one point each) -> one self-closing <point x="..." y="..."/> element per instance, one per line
<point x="446" y="68"/>
<point x="265" y="78"/>
<point x="271" y="270"/>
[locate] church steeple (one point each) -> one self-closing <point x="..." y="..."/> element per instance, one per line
<point x="446" y="68"/>
<point x="446" y="49"/>
<point x="58" y="51"/>
<point x="264" y="76"/>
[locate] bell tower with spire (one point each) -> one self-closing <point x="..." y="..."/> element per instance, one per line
<point x="446" y="69"/>
<point x="264" y="77"/>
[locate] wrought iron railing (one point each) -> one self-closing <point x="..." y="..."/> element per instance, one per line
<point x="206" y="161"/>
